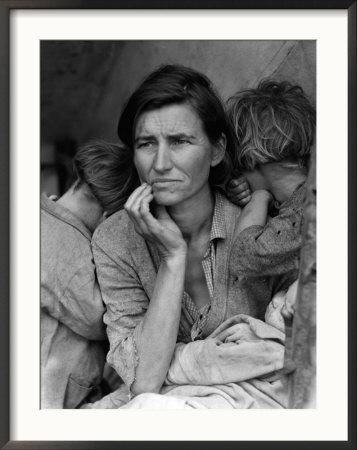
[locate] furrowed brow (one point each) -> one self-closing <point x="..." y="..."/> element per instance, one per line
<point x="181" y="136"/>
<point x="143" y="137"/>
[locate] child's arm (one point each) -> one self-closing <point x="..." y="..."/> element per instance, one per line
<point x="271" y="248"/>
<point x="256" y="211"/>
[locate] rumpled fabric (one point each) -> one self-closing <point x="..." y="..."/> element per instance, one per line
<point x="241" y="348"/>
<point x="239" y="366"/>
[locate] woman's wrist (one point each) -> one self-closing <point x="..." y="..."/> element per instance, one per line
<point x="177" y="258"/>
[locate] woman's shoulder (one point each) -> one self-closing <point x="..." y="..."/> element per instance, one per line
<point x="116" y="230"/>
<point x="228" y="211"/>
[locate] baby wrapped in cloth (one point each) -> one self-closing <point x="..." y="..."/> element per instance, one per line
<point x="240" y="365"/>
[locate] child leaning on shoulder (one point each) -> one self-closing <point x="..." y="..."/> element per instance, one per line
<point x="275" y="127"/>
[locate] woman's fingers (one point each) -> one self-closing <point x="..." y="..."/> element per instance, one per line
<point x="134" y="196"/>
<point x="166" y="221"/>
<point x="142" y="195"/>
<point x="160" y="230"/>
<point x="143" y="214"/>
<point x="149" y="221"/>
<point x="161" y="213"/>
<point x="163" y="226"/>
<point x="139" y="210"/>
<point x="163" y="231"/>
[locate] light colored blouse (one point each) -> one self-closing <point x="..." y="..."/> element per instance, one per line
<point x="127" y="266"/>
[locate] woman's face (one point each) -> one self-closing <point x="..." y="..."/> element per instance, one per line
<point x="173" y="153"/>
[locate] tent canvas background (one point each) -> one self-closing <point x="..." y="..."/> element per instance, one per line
<point x="85" y="84"/>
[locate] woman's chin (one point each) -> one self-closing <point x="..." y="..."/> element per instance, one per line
<point x="166" y="199"/>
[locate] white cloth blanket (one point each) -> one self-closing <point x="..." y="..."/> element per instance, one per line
<point x="237" y="366"/>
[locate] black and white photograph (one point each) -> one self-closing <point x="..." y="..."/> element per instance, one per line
<point x="178" y="224"/>
<point x="179" y="256"/>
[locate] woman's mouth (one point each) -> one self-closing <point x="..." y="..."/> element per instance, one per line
<point x="159" y="181"/>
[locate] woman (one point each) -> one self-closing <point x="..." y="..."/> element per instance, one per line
<point x="166" y="265"/>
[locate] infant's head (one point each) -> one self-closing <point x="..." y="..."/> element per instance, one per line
<point x="273" y="315"/>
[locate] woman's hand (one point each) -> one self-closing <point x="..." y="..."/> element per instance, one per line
<point x="162" y="230"/>
<point x="157" y="336"/>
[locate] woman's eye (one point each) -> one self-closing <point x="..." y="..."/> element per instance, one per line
<point x="180" y="141"/>
<point x="145" y="145"/>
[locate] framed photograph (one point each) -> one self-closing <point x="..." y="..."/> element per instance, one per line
<point x="67" y="70"/>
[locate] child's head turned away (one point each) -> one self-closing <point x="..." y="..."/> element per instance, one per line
<point x="274" y="123"/>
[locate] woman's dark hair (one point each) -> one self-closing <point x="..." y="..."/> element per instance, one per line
<point x="108" y="171"/>
<point x="176" y="84"/>
<point x="274" y="122"/>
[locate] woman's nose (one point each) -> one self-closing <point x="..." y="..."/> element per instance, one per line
<point x="163" y="161"/>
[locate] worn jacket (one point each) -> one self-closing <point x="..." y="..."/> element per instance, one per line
<point x="274" y="248"/>
<point x="127" y="266"/>
<point x="73" y="338"/>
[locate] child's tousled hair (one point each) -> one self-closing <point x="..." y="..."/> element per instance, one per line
<point x="108" y="171"/>
<point x="274" y="122"/>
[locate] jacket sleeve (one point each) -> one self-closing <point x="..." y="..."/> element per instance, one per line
<point x="270" y="250"/>
<point x="80" y="307"/>
<point x="126" y="303"/>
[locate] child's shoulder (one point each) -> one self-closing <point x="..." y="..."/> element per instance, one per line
<point x="295" y="203"/>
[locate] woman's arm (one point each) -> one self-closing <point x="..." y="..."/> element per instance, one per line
<point x="159" y="328"/>
<point x="157" y="339"/>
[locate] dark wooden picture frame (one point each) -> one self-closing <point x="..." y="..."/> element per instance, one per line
<point x="5" y="78"/>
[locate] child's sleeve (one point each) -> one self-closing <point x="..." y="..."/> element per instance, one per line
<point x="272" y="249"/>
